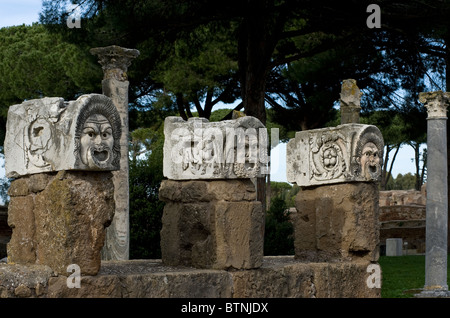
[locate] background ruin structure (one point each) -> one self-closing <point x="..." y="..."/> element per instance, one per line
<point x="350" y="102"/>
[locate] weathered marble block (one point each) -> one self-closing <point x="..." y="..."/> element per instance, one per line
<point x="48" y="134"/>
<point x="199" y="149"/>
<point x="346" y="153"/>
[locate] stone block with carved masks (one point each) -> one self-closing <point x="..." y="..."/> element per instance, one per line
<point x="346" y="153"/>
<point x="199" y="149"/>
<point x="49" y="134"/>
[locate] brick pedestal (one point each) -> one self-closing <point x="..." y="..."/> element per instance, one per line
<point x="212" y="224"/>
<point x="60" y="219"/>
<point x="337" y="222"/>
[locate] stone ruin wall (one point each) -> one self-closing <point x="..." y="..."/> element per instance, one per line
<point x="402" y="215"/>
<point x="213" y="228"/>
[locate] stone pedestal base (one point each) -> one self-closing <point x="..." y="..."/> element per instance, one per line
<point x="278" y="277"/>
<point x="211" y="224"/>
<point x="337" y="223"/>
<point x="60" y="219"/>
<point x="436" y="293"/>
<point x="394" y="247"/>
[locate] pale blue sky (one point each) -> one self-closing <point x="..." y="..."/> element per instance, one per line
<point x="17" y="12"/>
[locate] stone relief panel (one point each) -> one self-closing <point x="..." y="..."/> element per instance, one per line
<point x="50" y="134"/>
<point x="350" y="152"/>
<point x="199" y="149"/>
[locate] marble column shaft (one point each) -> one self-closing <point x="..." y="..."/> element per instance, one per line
<point x="437" y="203"/>
<point x="115" y="61"/>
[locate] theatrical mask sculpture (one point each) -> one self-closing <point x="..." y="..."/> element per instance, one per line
<point x="349" y="152"/>
<point x="49" y="134"/>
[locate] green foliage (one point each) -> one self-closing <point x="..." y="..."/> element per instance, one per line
<point x="403" y="276"/>
<point x="401" y="182"/>
<point x="218" y="114"/>
<point x="278" y="236"/>
<point x="145" y="207"/>
<point x="35" y="64"/>
<point x="146" y="174"/>
<point x="285" y="191"/>
<point x="200" y="61"/>
<point x="145" y="212"/>
<point x="391" y="123"/>
<point x="279" y="189"/>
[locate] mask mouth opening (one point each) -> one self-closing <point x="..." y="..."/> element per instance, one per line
<point x="373" y="169"/>
<point x="101" y="157"/>
<point x="372" y="172"/>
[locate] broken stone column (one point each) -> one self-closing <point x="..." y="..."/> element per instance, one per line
<point x="350" y="102"/>
<point x="211" y="217"/>
<point x="437" y="205"/>
<point x="115" y="61"/>
<point x="338" y="170"/>
<point x="61" y="155"/>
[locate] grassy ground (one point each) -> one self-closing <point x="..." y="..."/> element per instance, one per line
<point x="403" y="276"/>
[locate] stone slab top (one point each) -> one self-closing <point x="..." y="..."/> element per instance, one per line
<point x="229" y="149"/>
<point x="346" y="153"/>
<point x="49" y="134"/>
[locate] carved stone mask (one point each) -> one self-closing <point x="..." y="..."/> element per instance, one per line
<point x="49" y="134"/>
<point x="97" y="136"/>
<point x="96" y="142"/>
<point x="370" y="161"/>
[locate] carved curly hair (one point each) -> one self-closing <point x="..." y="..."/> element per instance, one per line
<point x="370" y="134"/>
<point x="102" y="105"/>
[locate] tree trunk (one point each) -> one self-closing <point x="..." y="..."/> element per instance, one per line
<point x="384" y="178"/>
<point x="417" y="160"/>
<point x="253" y="64"/>
<point x="258" y="36"/>
<point x="389" y="174"/>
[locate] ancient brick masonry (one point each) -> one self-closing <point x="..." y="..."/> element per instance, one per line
<point x="211" y="220"/>
<point x="59" y="219"/>
<point x="212" y="224"/>
<point x="337" y="223"/>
